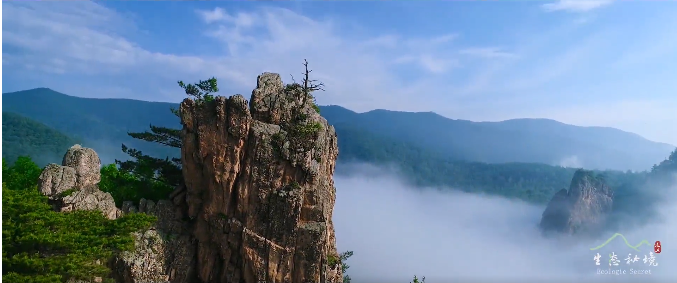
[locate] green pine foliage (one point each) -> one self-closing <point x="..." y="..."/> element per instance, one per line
<point x="125" y="186"/>
<point x="343" y="258"/>
<point x="42" y="245"/>
<point x="156" y="177"/>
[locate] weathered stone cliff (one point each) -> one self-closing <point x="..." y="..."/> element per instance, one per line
<point x="259" y="186"/>
<point x="582" y="208"/>
<point x="257" y="202"/>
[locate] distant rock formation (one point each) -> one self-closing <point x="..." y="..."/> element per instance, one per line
<point x="582" y="208"/>
<point x="257" y="202"/>
<point x="73" y="185"/>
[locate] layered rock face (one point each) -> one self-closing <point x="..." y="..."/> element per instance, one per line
<point x="259" y="186"/>
<point x="582" y="208"/>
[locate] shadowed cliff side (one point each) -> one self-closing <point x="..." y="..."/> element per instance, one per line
<point x="259" y="186"/>
<point x="582" y="208"/>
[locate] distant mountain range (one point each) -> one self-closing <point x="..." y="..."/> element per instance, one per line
<point x="430" y="149"/>
<point x="519" y="140"/>
<point x="99" y="123"/>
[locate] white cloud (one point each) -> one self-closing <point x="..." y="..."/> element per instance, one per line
<point x="429" y="63"/>
<point x="267" y="39"/>
<point x="487" y="52"/>
<point x="220" y="15"/>
<point x="571" y="162"/>
<point x="397" y="231"/>
<point x="575" y="5"/>
<point x="362" y="69"/>
<point x="78" y="38"/>
<point x="217" y="14"/>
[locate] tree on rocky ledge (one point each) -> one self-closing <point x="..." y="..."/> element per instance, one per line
<point x="310" y="86"/>
<point x="202" y="91"/>
<point x="149" y="169"/>
<point x="163" y="174"/>
<point x="304" y="91"/>
<point x="167" y="171"/>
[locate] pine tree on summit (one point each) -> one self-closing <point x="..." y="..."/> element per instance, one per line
<point x="161" y="175"/>
<point x="166" y="170"/>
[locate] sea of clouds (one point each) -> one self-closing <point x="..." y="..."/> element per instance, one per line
<point x="397" y="231"/>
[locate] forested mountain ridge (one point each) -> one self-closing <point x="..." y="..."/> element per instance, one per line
<point x="24" y="136"/>
<point x="518" y="140"/>
<point x="103" y="124"/>
<point x="534" y="182"/>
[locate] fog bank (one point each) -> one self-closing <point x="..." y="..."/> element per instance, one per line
<point x="397" y="231"/>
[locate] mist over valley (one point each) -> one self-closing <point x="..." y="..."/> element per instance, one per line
<point x="400" y="222"/>
<point x="339" y="141"/>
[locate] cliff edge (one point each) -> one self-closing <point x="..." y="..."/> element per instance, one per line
<point x="257" y="201"/>
<point x="582" y="208"/>
<point x="259" y="187"/>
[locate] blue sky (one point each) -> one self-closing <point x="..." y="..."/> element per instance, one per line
<point x="585" y="62"/>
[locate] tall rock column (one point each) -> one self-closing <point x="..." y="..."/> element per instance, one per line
<point x="259" y="186"/>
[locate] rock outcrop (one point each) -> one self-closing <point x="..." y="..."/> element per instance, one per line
<point x="73" y="184"/>
<point x="259" y="186"/>
<point x="164" y="253"/>
<point x="582" y="208"/>
<point x="257" y="201"/>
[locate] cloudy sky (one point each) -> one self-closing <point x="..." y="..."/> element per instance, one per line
<point x="594" y="62"/>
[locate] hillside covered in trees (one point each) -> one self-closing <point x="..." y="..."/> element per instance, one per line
<point x="57" y="247"/>
<point x="22" y="136"/>
<point x="79" y="244"/>
<point x="518" y="140"/>
<point x="42" y="245"/>
<point x="372" y="137"/>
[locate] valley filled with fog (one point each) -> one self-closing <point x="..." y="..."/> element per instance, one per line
<point x="397" y="231"/>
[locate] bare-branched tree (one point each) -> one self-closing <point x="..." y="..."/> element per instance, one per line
<point x="309" y="85"/>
